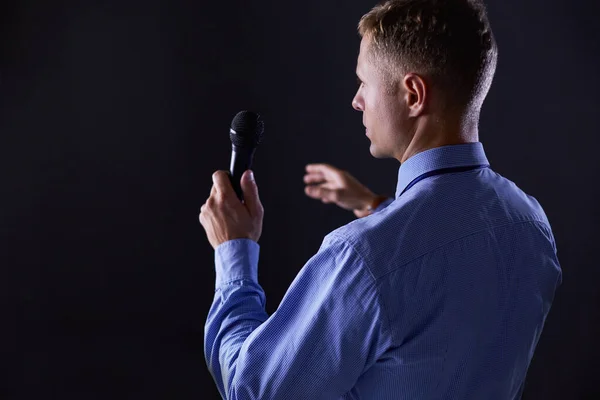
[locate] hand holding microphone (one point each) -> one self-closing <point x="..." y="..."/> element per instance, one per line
<point x="224" y="216"/>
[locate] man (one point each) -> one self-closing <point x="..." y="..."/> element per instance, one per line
<point x="439" y="293"/>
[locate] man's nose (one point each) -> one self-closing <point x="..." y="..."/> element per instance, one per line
<point x="356" y="105"/>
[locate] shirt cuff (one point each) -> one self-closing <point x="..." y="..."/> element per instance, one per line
<point x="236" y="259"/>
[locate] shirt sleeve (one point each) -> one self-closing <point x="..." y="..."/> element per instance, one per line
<point x="326" y="332"/>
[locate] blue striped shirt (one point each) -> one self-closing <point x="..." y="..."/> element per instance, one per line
<point x="442" y="293"/>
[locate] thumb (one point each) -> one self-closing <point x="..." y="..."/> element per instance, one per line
<point x="250" y="191"/>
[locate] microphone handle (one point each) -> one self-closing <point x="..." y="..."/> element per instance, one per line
<point x="241" y="160"/>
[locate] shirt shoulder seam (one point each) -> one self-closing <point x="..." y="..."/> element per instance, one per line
<point x="351" y="245"/>
<point x="460" y="238"/>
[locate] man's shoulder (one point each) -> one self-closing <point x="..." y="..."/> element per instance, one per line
<point x="436" y="214"/>
<point x="376" y="237"/>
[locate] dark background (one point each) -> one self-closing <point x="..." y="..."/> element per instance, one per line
<point x="114" y="115"/>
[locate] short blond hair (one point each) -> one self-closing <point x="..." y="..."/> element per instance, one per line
<point x="450" y="41"/>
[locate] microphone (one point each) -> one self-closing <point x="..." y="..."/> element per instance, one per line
<point x="246" y="133"/>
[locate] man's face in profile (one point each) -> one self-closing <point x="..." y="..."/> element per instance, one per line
<point x="385" y="115"/>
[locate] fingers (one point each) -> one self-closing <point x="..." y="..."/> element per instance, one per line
<point x="203" y="213"/>
<point x="321" y="193"/>
<point x="222" y="184"/>
<point x="320" y="168"/>
<point x="314" y="174"/>
<point x="312" y="191"/>
<point x="320" y="173"/>
<point x="315" y="177"/>
<point x="250" y="190"/>
<point x="326" y="174"/>
<point x="221" y="188"/>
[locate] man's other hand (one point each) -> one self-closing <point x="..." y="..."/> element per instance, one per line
<point x="224" y="217"/>
<point x="332" y="185"/>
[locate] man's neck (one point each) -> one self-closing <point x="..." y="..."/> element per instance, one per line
<point x="430" y="134"/>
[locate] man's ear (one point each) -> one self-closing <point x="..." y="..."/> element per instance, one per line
<point x="415" y="94"/>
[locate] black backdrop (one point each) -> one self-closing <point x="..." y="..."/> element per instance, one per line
<point x="114" y="115"/>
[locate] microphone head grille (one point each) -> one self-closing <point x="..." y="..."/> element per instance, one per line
<point x="246" y="129"/>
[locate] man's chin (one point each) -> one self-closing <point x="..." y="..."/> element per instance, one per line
<point x="375" y="152"/>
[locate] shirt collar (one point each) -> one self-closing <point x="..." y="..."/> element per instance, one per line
<point x="456" y="155"/>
